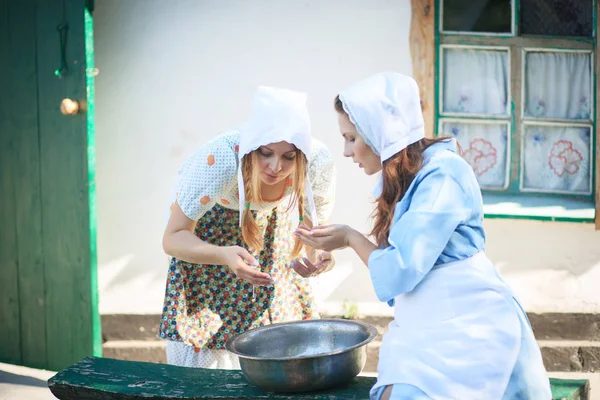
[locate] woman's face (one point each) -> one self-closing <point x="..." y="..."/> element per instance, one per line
<point x="277" y="161"/>
<point x="356" y="148"/>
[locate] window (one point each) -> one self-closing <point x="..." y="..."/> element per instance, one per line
<point x="516" y="87"/>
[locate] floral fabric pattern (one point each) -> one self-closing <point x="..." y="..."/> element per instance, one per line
<point x="485" y="147"/>
<point x="205" y="305"/>
<point x="557" y="159"/>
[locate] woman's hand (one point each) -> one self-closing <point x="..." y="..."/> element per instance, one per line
<point x="240" y="261"/>
<point x="328" y="238"/>
<point x="305" y="268"/>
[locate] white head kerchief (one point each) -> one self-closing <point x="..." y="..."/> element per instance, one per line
<point x="386" y="110"/>
<point x="277" y="115"/>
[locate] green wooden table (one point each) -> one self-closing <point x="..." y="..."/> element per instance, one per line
<point x="104" y="378"/>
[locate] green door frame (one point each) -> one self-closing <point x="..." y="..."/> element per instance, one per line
<point x="48" y="261"/>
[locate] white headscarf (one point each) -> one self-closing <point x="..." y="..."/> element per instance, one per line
<point x="277" y="115"/>
<point x="385" y="108"/>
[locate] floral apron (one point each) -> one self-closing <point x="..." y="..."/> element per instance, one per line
<point x="205" y="305"/>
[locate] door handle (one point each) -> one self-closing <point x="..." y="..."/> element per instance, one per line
<point x="72" y="107"/>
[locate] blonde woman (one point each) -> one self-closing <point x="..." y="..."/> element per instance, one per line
<point x="235" y="262"/>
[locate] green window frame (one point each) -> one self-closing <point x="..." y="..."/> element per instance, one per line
<point x="516" y="121"/>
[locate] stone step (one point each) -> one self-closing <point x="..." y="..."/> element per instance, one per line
<point x="559" y="356"/>
<point x="546" y="326"/>
<point x="136" y="350"/>
<point x="571" y="355"/>
<point x="567" y="326"/>
<point x="129" y="327"/>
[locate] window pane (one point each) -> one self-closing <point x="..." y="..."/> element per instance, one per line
<point x="475" y="81"/>
<point x="477" y="16"/>
<point x="557" y="17"/>
<point x="558" y="85"/>
<point x="485" y="147"/>
<point x="557" y="159"/>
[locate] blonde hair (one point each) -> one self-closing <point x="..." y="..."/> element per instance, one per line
<point x="251" y="175"/>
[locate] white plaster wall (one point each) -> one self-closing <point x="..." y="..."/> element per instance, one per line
<point x="552" y="266"/>
<point x="173" y="74"/>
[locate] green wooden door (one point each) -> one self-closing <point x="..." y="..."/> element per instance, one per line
<point x="48" y="292"/>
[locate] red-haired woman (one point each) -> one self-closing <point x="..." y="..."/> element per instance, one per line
<point x="458" y="332"/>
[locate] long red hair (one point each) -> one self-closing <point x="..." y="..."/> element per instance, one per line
<point x="398" y="173"/>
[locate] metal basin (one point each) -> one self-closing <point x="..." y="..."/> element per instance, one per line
<point x="303" y="356"/>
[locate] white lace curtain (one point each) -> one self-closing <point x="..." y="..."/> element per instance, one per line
<point x="557" y="85"/>
<point x="475" y="81"/>
<point x="557" y="158"/>
<point x="485" y="147"/>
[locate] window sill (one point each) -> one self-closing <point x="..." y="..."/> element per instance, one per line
<point x="563" y="209"/>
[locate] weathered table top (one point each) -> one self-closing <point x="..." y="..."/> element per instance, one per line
<point x="104" y="378"/>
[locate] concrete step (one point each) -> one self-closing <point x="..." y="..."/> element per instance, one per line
<point x="136" y="350"/>
<point x="569" y="342"/>
<point x="546" y="326"/>
<point x="567" y="326"/>
<point x="372" y="356"/>
<point x="558" y="356"/>
<point x="571" y="355"/>
<point x="130" y="327"/>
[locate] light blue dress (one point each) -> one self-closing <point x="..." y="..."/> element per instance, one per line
<point x="458" y="331"/>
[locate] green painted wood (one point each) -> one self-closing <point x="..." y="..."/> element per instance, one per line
<point x="596" y="136"/>
<point x="47" y="306"/>
<point x="26" y="175"/>
<point x="63" y="144"/>
<point x="102" y="378"/>
<point x="86" y="308"/>
<point x="91" y="162"/>
<point x="10" y="331"/>
<point x="519" y="41"/>
<point x="569" y="389"/>
<point x="516" y="17"/>
<point x="531" y="217"/>
<point x="59" y="292"/>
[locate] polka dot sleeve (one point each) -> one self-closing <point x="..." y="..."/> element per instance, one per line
<point x="206" y="177"/>
<point x="322" y="176"/>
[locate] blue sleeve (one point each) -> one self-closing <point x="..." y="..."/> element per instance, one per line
<point x="418" y="237"/>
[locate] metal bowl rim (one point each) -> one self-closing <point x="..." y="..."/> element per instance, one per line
<point x="370" y="329"/>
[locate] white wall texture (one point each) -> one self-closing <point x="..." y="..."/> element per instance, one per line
<point x="173" y="74"/>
